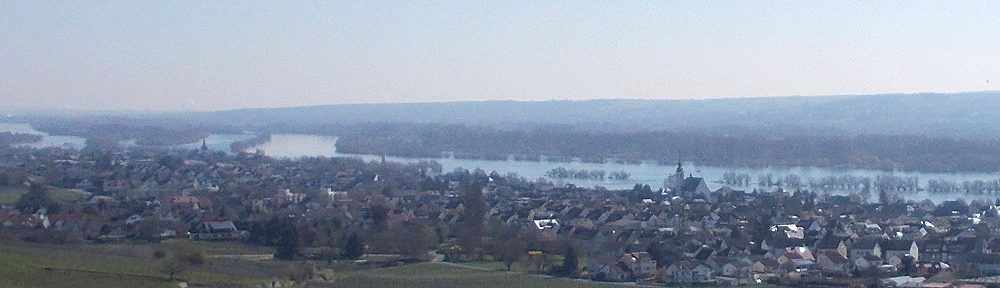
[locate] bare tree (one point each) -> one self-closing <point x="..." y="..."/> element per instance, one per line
<point x="472" y="219"/>
<point x="172" y="267"/>
<point x="509" y="248"/>
<point x="301" y="272"/>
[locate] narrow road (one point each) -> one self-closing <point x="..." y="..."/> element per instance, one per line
<point x="465" y="266"/>
<point x="439" y="259"/>
<point x="252" y="257"/>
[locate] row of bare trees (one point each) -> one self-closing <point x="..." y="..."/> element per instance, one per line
<point x="881" y="182"/>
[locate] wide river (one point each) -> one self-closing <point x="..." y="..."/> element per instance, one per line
<point x="646" y="173"/>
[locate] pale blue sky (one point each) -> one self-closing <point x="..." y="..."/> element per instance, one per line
<point x="209" y="55"/>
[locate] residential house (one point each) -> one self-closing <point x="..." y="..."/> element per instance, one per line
<point x="639" y="264"/>
<point x="833" y="244"/>
<point x="864" y="247"/>
<point x="688" y="271"/>
<point x="866" y="262"/>
<point x="737" y="270"/>
<point x="896" y="250"/>
<point x="217" y="230"/>
<point x="832" y="261"/>
<point x="607" y="271"/>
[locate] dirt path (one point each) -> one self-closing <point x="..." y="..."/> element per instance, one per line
<point x="251" y="257"/>
<point x="465" y="266"/>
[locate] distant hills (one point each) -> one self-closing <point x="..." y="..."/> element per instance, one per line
<point x="962" y="115"/>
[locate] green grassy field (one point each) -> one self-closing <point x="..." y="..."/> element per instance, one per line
<point x="520" y="266"/>
<point x="440" y="275"/>
<point x="30" y="265"/>
<point x="10" y="194"/>
<point x="228" y="248"/>
<point x="133" y="265"/>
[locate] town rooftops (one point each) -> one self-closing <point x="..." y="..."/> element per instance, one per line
<point x="220" y="226"/>
<point x="691" y="184"/>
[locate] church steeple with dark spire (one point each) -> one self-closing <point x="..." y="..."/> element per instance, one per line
<point x="677" y="180"/>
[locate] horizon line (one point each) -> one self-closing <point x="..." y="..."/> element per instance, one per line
<point x="21" y="111"/>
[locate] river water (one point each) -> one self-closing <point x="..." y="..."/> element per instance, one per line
<point x="215" y="141"/>
<point x="646" y="173"/>
<point x="47" y="140"/>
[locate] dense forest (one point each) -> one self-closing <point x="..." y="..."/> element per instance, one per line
<point x="886" y="152"/>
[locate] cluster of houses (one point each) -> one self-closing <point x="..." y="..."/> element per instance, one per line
<point x="732" y="237"/>
<point x="684" y="233"/>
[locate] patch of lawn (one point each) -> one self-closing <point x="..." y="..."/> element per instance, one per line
<point x="83" y="265"/>
<point x="441" y="275"/>
<point x="10" y="194"/>
<point x="231" y="248"/>
<point x="34" y="266"/>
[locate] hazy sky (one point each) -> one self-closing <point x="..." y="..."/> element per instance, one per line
<point x="210" y="55"/>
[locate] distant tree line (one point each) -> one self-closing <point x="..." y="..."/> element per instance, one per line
<point x="738" y="179"/>
<point x="977" y="187"/>
<point x="243" y="145"/>
<point x="146" y="132"/>
<point x="885" y="152"/>
<point x="596" y="174"/>
<point x="865" y="185"/>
